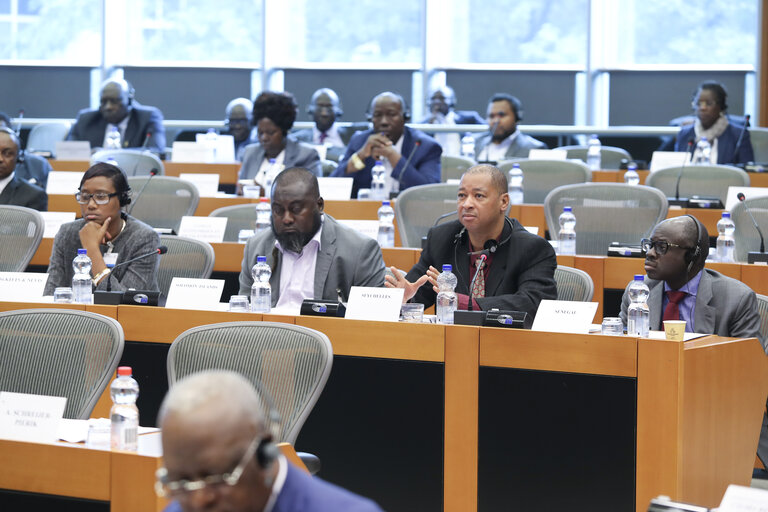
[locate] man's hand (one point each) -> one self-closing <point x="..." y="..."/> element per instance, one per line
<point x="399" y="281"/>
<point x="375" y="146"/>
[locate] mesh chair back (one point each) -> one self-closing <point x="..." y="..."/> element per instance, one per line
<point x="746" y="237"/>
<point x="700" y="180"/>
<point x="186" y="257"/>
<point x="133" y="161"/>
<point x="59" y="352"/>
<point x="291" y="362"/>
<point x="762" y="310"/>
<point x="605" y="213"/>
<point x="573" y="284"/>
<point x="759" y="137"/>
<point x="44" y="136"/>
<point x="610" y="156"/>
<point x="239" y="216"/>
<point x="21" y="230"/>
<point x="164" y="200"/>
<point x="541" y="176"/>
<point x="452" y="167"/>
<point x="418" y="208"/>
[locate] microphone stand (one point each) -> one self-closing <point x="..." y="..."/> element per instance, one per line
<point x="752" y="256"/>
<point x="677" y="201"/>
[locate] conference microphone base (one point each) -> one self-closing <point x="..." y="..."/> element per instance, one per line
<point x="682" y="202"/>
<point x="108" y="298"/>
<point x="494" y="318"/>
<point x="757" y="257"/>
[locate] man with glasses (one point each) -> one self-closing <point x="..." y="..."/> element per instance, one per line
<point x="682" y="289"/>
<point x="218" y="454"/>
<point x="238" y="119"/>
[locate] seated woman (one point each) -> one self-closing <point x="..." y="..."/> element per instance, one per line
<point x="730" y="141"/>
<point x="108" y="234"/>
<point x="273" y="116"/>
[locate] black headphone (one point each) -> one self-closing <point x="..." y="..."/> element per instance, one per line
<point x="403" y="104"/>
<point x="515" y="104"/>
<point x="691" y="255"/>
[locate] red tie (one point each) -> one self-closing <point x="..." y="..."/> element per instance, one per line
<point x="672" y="311"/>
<point x="323" y="136"/>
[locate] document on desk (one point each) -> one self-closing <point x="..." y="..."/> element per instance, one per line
<point x="22" y="286"/>
<point x="370" y="303"/>
<point x="188" y="293"/>
<point x="564" y="316"/>
<point x="26" y="417"/>
<point x="207" y="229"/>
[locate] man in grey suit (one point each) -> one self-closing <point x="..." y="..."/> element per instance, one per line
<point x="13" y="189"/>
<point x="311" y="255"/>
<point x="504" y="140"/>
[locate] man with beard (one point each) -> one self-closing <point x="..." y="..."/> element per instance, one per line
<point x="238" y="118"/>
<point x="311" y="255"/>
<point x="504" y="140"/>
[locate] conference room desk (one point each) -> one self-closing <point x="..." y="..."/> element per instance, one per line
<point x="227" y="172"/>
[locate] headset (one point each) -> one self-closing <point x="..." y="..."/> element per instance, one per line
<point x="490" y="245"/>
<point x="15" y="138"/>
<point x="692" y="255"/>
<point x="514" y="103"/>
<point x="337" y="110"/>
<point x="403" y="104"/>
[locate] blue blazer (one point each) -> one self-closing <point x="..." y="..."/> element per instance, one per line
<point x="727" y="153"/>
<point x="423" y="169"/>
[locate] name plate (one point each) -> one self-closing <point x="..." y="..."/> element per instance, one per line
<point x="63" y="182"/>
<point x="738" y="498"/>
<point x="207" y="229"/>
<point x="564" y="316"/>
<point x="548" y="154"/>
<point x="54" y="221"/>
<point x="73" y="150"/>
<point x="30" y="417"/>
<point x="223" y="147"/>
<point x="207" y="184"/>
<point x="191" y="152"/>
<point x="24" y="286"/>
<point x="666" y="159"/>
<point x="365" y="227"/>
<point x="371" y="303"/>
<point x="188" y="293"/>
<point x="335" y="189"/>
<point x="749" y="193"/>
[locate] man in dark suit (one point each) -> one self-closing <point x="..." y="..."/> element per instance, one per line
<point x="519" y="270"/>
<point x="14" y="190"/>
<point x="505" y="140"/>
<point x="30" y="167"/>
<point x="139" y="125"/>
<point x="441" y="102"/>
<point x="220" y="455"/>
<point x="395" y="144"/>
<point x="238" y="114"/>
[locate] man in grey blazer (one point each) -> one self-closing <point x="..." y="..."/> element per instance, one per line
<point x="311" y="255"/>
<point x="14" y="190"/>
<point x="504" y="140"/>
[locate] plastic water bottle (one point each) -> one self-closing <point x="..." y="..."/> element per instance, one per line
<point x="270" y="177"/>
<point x="631" y="177"/>
<point x="113" y="139"/>
<point x="468" y="146"/>
<point x="447" y="302"/>
<point x="703" y="153"/>
<point x="263" y="215"/>
<point x="725" y="241"/>
<point x="124" y="415"/>
<point x="638" y="314"/>
<point x="211" y="137"/>
<point x="515" y="184"/>
<point x="567" y="237"/>
<point x="378" y="181"/>
<point x="261" y="290"/>
<point x="593" y="153"/>
<point x="82" y="286"/>
<point x="386" y="236"/>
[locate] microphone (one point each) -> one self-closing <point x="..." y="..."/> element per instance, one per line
<point x="754" y="257"/>
<point x="416" y="146"/>
<point x="146" y="141"/>
<point x="160" y="250"/>
<point x="738" y="141"/>
<point x="488" y="247"/>
<point x="139" y="297"/>
<point x="152" y="173"/>
<point x="676" y="201"/>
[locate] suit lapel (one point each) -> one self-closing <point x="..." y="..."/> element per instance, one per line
<point x="325" y="255"/>
<point x="9" y="191"/>
<point x="704" y="316"/>
<point x="130" y="129"/>
<point x="654" y="305"/>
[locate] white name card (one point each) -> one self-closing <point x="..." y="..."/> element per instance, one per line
<point x="548" y="154"/>
<point x="73" y="150"/>
<point x="24" y="286"/>
<point x="370" y="303"/>
<point x="207" y="184"/>
<point x="564" y="316"/>
<point x="223" y="147"/>
<point x="666" y="159"/>
<point x="207" y="229"/>
<point x="63" y="182"/>
<point x="188" y="293"/>
<point x="322" y="150"/>
<point x="54" y="221"/>
<point x="335" y="189"/>
<point x="749" y="193"/>
<point x="365" y="227"/>
<point x="534" y="230"/>
<point x="738" y="498"/>
<point x="191" y="152"/>
<point x="30" y="417"/>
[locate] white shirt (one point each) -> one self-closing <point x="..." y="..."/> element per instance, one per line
<point x="268" y="171"/>
<point x="494" y="152"/>
<point x="277" y="486"/>
<point x="297" y="273"/>
<point x="451" y="142"/>
<point x="392" y="184"/>
<point x="332" y="137"/>
<point x="4" y="182"/>
<point x="121" y="127"/>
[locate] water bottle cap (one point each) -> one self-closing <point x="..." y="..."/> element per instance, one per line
<point x="726" y="215"/>
<point x="264" y="199"/>
<point x="272" y="161"/>
<point x="631" y="166"/>
<point x="566" y="208"/>
<point x="82" y="251"/>
<point x="515" y="166"/>
<point x="124" y="371"/>
<point x="447" y="268"/>
<point x="639" y="277"/>
<point x="385" y="203"/>
<point x="703" y="139"/>
<point x="261" y="259"/>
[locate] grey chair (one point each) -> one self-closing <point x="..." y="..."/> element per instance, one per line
<point x="746" y="237"/>
<point x="700" y="180"/>
<point x="573" y="284"/>
<point x="163" y="201"/>
<point x="452" y="167"/>
<point x="134" y="162"/>
<point x="418" y="208"/>
<point x="762" y="309"/>
<point x="44" y="136"/>
<point x="541" y="176"/>
<point x="21" y="230"/>
<point x="186" y="257"/>
<point x="610" y="156"/>
<point x="239" y="216"/>
<point x="605" y="213"/>
<point x="290" y="362"/>
<point x="759" y="137"/>
<point x="59" y="352"/>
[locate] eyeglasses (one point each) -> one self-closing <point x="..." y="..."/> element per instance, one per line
<point x="99" y="197"/>
<point x="165" y="489"/>
<point x="703" y="103"/>
<point x="660" y="246"/>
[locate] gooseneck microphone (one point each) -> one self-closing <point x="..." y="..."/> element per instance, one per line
<point x="738" y="141"/>
<point x="152" y="173"/>
<point x="160" y="250"/>
<point x="676" y="201"/>
<point x="18" y="122"/>
<point x="416" y="146"/>
<point x="753" y="257"/>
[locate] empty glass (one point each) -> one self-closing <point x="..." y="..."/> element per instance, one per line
<point x="63" y="295"/>
<point x="251" y="191"/>
<point x="612" y="326"/>
<point x="239" y="304"/>
<point x="412" y="312"/>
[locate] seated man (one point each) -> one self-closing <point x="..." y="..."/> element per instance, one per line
<point x="441" y="102"/>
<point x="135" y="122"/>
<point x="395" y="144"/>
<point x="219" y="455"/>
<point x="30" y="167"/>
<point x="504" y="140"/>
<point x="520" y="268"/>
<point x="238" y="118"/>
<point x="311" y="255"/>
<point x="13" y="189"/>
<point x="682" y="289"/>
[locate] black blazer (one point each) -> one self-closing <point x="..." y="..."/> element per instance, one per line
<point x="90" y="126"/>
<point x="20" y="193"/>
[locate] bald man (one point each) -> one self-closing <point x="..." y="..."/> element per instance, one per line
<point x="139" y="125"/>
<point x="13" y="189"/>
<point x="238" y="115"/>
<point x="219" y="455"/>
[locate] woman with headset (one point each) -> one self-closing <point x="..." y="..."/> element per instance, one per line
<point x="108" y="234"/>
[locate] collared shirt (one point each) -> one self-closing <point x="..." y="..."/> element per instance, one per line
<point x="494" y="152"/>
<point x="463" y="300"/>
<point x="277" y="486"/>
<point x="392" y="184"/>
<point x="450" y="142"/>
<point x="688" y="304"/>
<point x="4" y="182"/>
<point x="332" y="137"/>
<point x="121" y="127"/>
<point x="297" y="273"/>
<point x="268" y="171"/>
